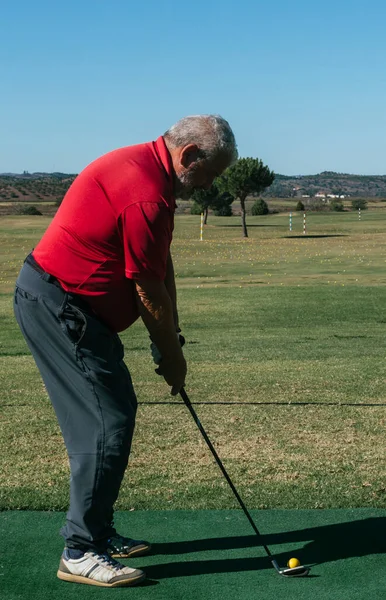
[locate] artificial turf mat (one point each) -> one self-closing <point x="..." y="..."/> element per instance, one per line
<point x="210" y="554"/>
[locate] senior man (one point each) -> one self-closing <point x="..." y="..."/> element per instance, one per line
<point x="103" y="262"/>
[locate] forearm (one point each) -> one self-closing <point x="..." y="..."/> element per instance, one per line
<point x="170" y="285"/>
<point x="157" y="313"/>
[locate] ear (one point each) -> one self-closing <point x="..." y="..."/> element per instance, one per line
<point x="189" y="155"/>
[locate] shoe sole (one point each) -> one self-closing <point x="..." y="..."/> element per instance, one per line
<point x="132" y="554"/>
<point x="79" y="579"/>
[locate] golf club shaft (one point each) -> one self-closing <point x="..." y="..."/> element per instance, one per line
<point x="186" y="400"/>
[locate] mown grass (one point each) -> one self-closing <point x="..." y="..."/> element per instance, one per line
<point x="286" y="353"/>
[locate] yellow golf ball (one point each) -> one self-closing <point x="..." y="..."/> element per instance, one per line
<point x="293" y="562"/>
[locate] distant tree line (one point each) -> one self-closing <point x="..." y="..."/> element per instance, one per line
<point x="334" y="204"/>
<point x="328" y="182"/>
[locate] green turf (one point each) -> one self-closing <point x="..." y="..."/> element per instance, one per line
<point x="210" y="555"/>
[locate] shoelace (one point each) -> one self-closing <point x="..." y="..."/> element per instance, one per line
<point x="106" y="560"/>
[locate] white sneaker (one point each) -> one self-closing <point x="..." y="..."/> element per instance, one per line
<point x="97" y="569"/>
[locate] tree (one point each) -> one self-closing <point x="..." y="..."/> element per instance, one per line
<point x="246" y="176"/>
<point x="337" y="205"/>
<point x="203" y="199"/>
<point x="212" y="198"/>
<point x="299" y="206"/>
<point x="196" y="209"/>
<point x="260" y="207"/>
<point x="27" y="210"/>
<point x="357" y="203"/>
<point x="222" y="205"/>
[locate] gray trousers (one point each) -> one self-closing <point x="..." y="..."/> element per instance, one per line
<point x="81" y="363"/>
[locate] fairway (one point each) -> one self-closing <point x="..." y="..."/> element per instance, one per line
<point x="285" y="348"/>
<point x="285" y="344"/>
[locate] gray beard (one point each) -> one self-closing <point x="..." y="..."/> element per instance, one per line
<point x="185" y="188"/>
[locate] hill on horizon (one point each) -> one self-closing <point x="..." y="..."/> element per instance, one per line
<point x="51" y="187"/>
<point x="328" y="182"/>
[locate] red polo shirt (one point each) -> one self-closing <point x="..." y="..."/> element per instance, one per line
<point x="114" y="226"/>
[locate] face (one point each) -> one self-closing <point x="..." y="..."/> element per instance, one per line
<point x="192" y="174"/>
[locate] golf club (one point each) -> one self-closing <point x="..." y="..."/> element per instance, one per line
<point x="299" y="571"/>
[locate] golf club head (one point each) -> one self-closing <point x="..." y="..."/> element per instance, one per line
<point x="299" y="571"/>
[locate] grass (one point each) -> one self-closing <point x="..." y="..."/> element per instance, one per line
<point x="285" y="348"/>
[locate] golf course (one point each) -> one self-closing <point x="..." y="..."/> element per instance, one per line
<point x="285" y="344"/>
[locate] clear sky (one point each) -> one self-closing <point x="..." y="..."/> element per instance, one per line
<point x="302" y="82"/>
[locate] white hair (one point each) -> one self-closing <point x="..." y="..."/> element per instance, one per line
<point x="211" y="133"/>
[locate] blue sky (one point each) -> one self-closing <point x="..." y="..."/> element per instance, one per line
<point x="303" y="84"/>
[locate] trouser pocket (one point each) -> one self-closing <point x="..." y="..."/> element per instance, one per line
<point x="73" y="322"/>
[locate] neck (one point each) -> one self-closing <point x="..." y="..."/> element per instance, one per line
<point x="174" y="154"/>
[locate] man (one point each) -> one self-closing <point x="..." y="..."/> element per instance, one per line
<point x="103" y="262"/>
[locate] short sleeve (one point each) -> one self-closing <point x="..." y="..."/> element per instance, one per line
<point x="146" y="230"/>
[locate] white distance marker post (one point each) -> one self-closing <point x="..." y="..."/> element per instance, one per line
<point x="290" y="221"/>
<point x="304" y="223"/>
<point x="202" y="226"/>
<point x="359" y="213"/>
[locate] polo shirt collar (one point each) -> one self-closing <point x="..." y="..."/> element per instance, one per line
<point x="164" y="157"/>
